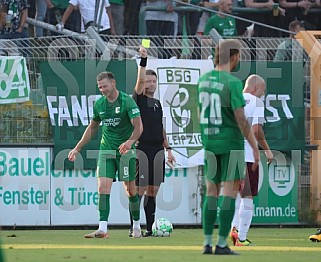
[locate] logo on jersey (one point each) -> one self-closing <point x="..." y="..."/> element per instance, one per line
<point x="135" y="111"/>
<point x="112" y="121"/>
<point x="117" y="110"/>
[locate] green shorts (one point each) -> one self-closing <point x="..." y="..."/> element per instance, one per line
<point x="110" y="164"/>
<point x="224" y="167"/>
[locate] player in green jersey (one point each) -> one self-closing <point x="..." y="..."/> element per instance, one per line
<point x="223" y="126"/>
<point x="121" y="127"/>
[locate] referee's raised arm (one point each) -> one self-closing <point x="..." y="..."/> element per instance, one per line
<point x="141" y="75"/>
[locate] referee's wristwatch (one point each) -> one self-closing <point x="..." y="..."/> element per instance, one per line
<point x="168" y="148"/>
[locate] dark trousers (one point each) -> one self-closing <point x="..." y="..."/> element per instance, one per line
<point x="131" y="16"/>
<point x="160" y="29"/>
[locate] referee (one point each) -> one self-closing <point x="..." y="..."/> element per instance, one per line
<point x="152" y="143"/>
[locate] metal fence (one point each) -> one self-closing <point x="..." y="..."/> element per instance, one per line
<point x="29" y="123"/>
<point x="125" y="47"/>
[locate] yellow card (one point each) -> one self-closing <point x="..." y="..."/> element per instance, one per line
<point x="146" y="43"/>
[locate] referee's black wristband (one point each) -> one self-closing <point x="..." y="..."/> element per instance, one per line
<point x="168" y="148"/>
<point x="143" y="61"/>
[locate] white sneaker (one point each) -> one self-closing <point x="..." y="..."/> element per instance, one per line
<point x="137" y="232"/>
<point x="97" y="234"/>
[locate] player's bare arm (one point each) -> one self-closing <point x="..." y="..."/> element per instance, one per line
<point x="138" y="130"/>
<point x="141" y="75"/>
<point x="247" y="133"/>
<point x="260" y="137"/>
<point x="90" y="131"/>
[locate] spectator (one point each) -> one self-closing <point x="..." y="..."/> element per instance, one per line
<point x="284" y="50"/>
<point x="131" y="13"/>
<point x="117" y="13"/>
<point x="191" y="19"/>
<point x="41" y="9"/>
<point x="206" y="15"/>
<point x="14" y="14"/>
<point x="224" y="25"/>
<point x="161" y="23"/>
<point x="265" y="18"/>
<point x="295" y="5"/>
<point x="295" y="9"/>
<point x="56" y="9"/>
<point x="87" y="9"/>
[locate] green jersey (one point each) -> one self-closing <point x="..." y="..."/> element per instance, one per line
<point x="63" y="4"/>
<point x="224" y="26"/>
<point x="220" y="94"/>
<point x="116" y="120"/>
<point x="117" y="2"/>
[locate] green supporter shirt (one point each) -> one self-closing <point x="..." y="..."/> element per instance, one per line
<point x="220" y="94"/>
<point x="117" y="2"/>
<point x="224" y="26"/>
<point x="116" y="120"/>
<point x="63" y="4"/>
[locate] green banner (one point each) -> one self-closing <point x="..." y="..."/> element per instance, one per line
<point x="14" y="80"/>
<point x="284" y="102"/>
<point x="71" y="90"/>
<point x="277" y="201"/>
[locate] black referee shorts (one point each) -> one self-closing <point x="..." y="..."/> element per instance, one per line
<point x="150" y="165"/>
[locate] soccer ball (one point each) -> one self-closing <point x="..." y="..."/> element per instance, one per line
<point x="162" y="227"/>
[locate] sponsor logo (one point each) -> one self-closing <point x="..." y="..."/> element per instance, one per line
<point x="135" y="111"/>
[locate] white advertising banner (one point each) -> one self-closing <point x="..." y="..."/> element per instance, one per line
<point x="25" y="186"/>
<point x="32" y="194"/>
<point x="14" y="80"/>
<point x="177" y="92"/>
<point x="75" y="199"/>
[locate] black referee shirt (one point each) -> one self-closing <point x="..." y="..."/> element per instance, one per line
<point x="152" y="117"/>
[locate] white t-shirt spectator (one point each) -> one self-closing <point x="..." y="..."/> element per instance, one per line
<point x="87" y="10"/>
<point x="254" y="113"/>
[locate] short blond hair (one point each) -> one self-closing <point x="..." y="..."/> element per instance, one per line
<point x="105" y="75"/>
<point x="225" y="50"/>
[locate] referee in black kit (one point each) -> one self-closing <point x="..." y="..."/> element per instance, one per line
<point x="151" y="144"/>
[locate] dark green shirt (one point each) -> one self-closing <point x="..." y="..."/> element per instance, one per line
<point x="220" y="94"/>
<point x="224" y="26"/>
<point x="116" y="120"/>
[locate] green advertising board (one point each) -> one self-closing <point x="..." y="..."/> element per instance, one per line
<point x="277" y="201"/>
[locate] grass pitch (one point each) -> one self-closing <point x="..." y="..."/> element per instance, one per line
<point x="271" y="244"/>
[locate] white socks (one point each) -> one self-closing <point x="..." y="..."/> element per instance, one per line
<point x="245" y="216"/>
<point x="103" y="226"/>
<point x="235" y="221"/>
<point x="136" y="224"/>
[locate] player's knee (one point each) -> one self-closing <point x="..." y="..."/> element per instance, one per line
<point x="152" y="191"/>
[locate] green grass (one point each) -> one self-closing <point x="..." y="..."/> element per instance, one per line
<point x="271" y="244"/>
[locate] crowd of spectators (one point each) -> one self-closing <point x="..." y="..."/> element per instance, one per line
<point x="122" y="16"/>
